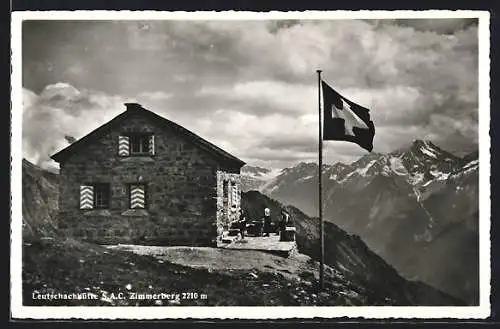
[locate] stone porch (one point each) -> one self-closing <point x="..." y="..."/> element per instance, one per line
<point x="270" y="244"/>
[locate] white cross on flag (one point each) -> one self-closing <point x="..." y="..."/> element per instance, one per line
<point x="345" y="120"/>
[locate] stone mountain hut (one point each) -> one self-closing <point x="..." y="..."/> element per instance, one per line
<point x="143" y="179"/>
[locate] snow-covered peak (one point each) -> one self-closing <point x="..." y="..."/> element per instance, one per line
<point x="472" y="165"/>
<point x="254" y="171"/>
<point x="397" y="166"/>
<point x="426" y="148"/>
<point x="304" y="166"/>
<point x="468" y="168"/>
<point x="429" y="151"/>
<point x="255" y="178"/>
<point x="364" y="170"/>
<point x="418" y="164"/>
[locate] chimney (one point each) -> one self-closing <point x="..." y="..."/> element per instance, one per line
<point x="133" y="106"/>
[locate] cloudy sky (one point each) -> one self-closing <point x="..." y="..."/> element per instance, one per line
<point x="250" y="86"/>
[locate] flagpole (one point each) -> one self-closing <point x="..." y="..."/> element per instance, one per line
<point x="320" y="199"/>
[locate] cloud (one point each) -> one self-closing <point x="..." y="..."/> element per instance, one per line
<point x="291" y="143"/>
<point x="61" y="111"/>
<point x="155" y="95"/>
<point x="441" y="26"/>
<point x="265" y="97"/>
<point x="250" y="86"/>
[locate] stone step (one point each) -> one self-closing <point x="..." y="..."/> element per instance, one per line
<point x="229" y="238"/>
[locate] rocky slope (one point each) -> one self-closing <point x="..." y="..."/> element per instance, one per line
<point x="417" y="207"/>
<point x="40" y="200"/>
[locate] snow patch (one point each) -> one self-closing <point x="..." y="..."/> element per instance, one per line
<point x="261" y="175"/>
<point x="469" y="167"/>
<point x="417" y="193"/>
<point x="427" y="183"/>
<point x="397" y="166"/>
<point x="305" y="178"/>
<point x="427" y="152"/>
<point x="439" y="175"/>
<point x="252" y="175"/>
<point x="271" y="178"/>
<point x="474" y="163"/>
<point x="271" y="174"/>
<point x="416" y="178"/>
<point x="468" y="170"/>
<point x="363" y="171"/>
<point x="386" y="171"/>
<point x="347" y="176"/>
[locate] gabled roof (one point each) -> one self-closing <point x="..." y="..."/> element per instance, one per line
<point x="132" y="109"/>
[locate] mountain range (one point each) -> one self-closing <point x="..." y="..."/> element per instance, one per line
<point x="417" y="207"/>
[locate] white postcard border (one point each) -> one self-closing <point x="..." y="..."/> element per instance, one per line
<point x="19" y="311"/>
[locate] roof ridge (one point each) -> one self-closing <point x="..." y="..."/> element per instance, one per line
<point x="138" y="108"/>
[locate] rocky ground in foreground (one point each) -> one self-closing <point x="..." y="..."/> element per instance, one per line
<point x="226" y="277"/>
<point x="67" y="266"/>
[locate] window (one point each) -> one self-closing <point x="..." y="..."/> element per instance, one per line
<point x="137" y="196"/>
<point x="139" y="144"/>
<point x="136" y="144"/>
<point x="94" y="196"/>
<point x="101" y="196"/>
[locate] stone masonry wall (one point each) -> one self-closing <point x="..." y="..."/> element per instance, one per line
<point x="181" y="192"/>
<point x="228" y="208"/>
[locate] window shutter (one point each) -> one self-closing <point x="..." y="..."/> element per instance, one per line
<point x="235" y="195"/>
<point x="123" y="146"/>
<point x="137" y="197"/>
<point x="86" y="197"/>
<point x="152" y="145"/>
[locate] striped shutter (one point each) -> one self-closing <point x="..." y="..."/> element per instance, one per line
<point x="235" y="194"/>
<point x="137" y="197"/>
<point x="123" y="146"/>
<point x="229" y="193"/>
<point x="152" y="145"/>
<point x="86" y="197"/>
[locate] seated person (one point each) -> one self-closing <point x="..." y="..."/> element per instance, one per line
<point x="286" y="221"/>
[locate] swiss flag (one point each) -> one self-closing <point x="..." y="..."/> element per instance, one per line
<point x="344" y="120"/>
